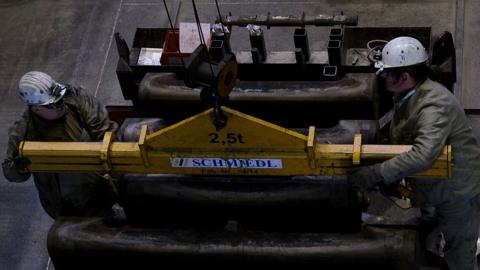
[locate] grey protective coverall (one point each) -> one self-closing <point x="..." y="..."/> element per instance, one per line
<point x="429" y="119"/>
<point x="76" y="194"/>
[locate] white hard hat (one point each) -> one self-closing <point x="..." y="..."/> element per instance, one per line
<point x="402" y="52"/>
<point x="38" y="88"/>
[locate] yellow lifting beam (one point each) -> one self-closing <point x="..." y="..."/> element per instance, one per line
<point x="245" y="146"/>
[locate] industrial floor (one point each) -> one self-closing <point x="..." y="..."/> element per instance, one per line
<point x="73" y="41"/>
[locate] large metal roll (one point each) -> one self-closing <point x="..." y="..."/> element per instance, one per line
<point x="256" y="203"/>
<point x="319" y="103"/>
<point x="76" y="243"/>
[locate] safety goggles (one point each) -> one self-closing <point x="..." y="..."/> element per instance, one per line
<point x="55" y="105"/>
<point x="383" y="72"/>
<point x="58" y="90"/>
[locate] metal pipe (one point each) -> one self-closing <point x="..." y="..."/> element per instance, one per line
<point x="217" y="50"/>
<point x="302" y="20"/>
<point x="257" y="57"/>
<point x="336" y="34"/>
<point x="330" y="71"/>
<point x="334" y="52"/>
<point x="257" y="42"/>
<point x="300" y="39"/>
<point x="300" y="57"/>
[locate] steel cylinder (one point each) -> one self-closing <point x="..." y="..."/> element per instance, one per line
<point x="80" y="243"/>
<point x="256" y="203"/>
<point x="273" y="20"/>
<point x="319" y="103"/>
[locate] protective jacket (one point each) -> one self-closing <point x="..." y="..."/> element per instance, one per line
<point x="428" y="118"/>
<point x="79" y="194"/>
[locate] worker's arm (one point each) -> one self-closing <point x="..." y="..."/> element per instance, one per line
<point x="15" y="168"/>
<point x="433" y="128"/>
<point x="95" y="116"/>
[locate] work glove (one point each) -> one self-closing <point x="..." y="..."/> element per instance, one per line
<point x="396" y="189"/>
<point x="15" y="170"/>
<point x="365" y="178"/>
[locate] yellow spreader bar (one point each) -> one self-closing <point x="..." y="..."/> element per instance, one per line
<point x="245" y="146"/>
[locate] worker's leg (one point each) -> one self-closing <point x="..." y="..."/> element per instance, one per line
<point x="459" y="222"/>
<point x="49" y="193"/>
<point x="85" y="194"/>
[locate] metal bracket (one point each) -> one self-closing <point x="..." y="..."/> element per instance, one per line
<point x="105" y="151"/>
<point x="311" y="144"/>
<point x="141" y="145"/>
<point x="20" y="148"/>
<point x="357" y="149"/>
<point x="448" y="151"/>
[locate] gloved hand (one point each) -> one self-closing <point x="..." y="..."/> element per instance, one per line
<point x="15" y="170"/>
<point x="396" y="189"/>
<point x="365" y="178"/>
<point x="21" y="164"/>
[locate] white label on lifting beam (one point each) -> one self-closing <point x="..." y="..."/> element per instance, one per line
<point x="232" y="163"/>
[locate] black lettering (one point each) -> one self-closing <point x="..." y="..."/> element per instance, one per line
<point x="213" y="138"/>
<point x="231" y="138"/>
<point x="240" y="138"/>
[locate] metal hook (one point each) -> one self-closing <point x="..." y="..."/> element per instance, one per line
<point x="219" y="118"/>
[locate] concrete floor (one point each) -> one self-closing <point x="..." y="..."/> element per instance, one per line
<point x="72" y="40"/>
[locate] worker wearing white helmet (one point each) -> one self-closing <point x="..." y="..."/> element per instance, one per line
<point x="58" y="112"/>
<point x="402" y="52"/>
<point x="42" y="94"/>
<point x="38" y="88"/>
<point x="427" y="116"/>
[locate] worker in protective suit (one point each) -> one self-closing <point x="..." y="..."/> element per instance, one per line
<point x="427" y="116"/>
<point x="58" y="112"/>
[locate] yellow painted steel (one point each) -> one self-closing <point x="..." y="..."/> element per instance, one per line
<point x="311" y="145"/>
<point x="245" y="146"/>
<point x="357" y="146"/>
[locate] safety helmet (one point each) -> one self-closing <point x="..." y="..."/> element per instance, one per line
<point x="38" y="88"/>
<point x="402" y="52"/>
